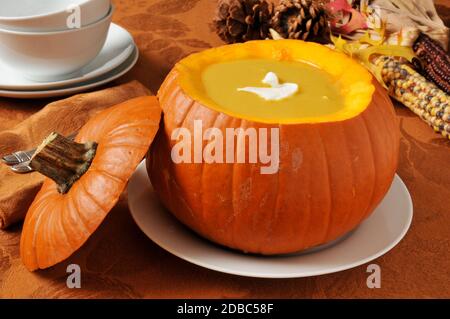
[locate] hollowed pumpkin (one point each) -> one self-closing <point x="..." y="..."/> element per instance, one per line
<point x="334" y="168"/>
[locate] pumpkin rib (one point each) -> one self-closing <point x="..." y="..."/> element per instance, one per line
<point x="279" y="193"/>
<point x="40" y="205"/>
<point x="202" y="210"/>
<point x="317" y="212"/>
<point x="196" y="182"/>
<point x="327" y="169"/>
<point x="167" y="88"/>
<point x="202" y="177"/>
<point x="41" y="199"/>
<point x="125" y="145"/>
<point x="382" y="116"/>
<point x="106" y="173"/>
<point x="293" y="192"/>
<point x="122" y="129"/>
<point x="233" y="213"/>
<point x="74" y="245"/>
<point x="199" y="109"/>
<point x="228" y="221"/>
<point x="169" y="94"/>
<point x="353" y="179"/>
<point x="224" y="220"/>
<point x="42" y="238"/>
<point x="27" y="254"/>
<point x="179" y="119"/>
<point x="75" y="210"/>
<point x="177" y="179"/>
<point x="189" y="108"/>
<point x="238" y="182"/>
<point x="390" y="126"/>
<point x="82" y="182"/>
<point x="39" y="253"/>
<point x="307" y="220"/>
<point x="379" y="150"/>
<point x="92" y="131"/>
<point x="277" y="196"/>
<point x="345" y="149"/>
<point x="259" y="213"/>
<point x="82" y="185"/>
<point x="356" y="172"/>
<point x="370" y="144"/>
<point x="79" y="215"/>
<point x="170" y="195"/>
<point x="52" y="237"/>
<point x="240" y="198"/>
<point x="377" y="174"/>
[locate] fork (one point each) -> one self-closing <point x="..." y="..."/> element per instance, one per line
<point x="20" y="160"/>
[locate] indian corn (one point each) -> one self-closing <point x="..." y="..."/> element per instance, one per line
<point x="434" y="61"/>
<point x="418" y="94"/>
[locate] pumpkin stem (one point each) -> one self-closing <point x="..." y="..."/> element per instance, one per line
<point x="63" y="160"/>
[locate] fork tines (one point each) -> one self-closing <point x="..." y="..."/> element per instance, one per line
<point x="16" y="158"/>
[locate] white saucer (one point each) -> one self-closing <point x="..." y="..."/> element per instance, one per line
<point x="118" y="47"/>
<point x="80" y="87"/>
<point x="374" y="237"/>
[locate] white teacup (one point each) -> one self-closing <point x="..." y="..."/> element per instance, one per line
<point x="52" y="56"/>
<point x="50" y="15"/>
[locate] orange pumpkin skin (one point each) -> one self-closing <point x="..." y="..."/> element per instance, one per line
<point x="56" y="225"/>
<point x="331" y="177"/>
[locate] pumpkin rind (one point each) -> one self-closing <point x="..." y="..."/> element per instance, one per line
<point x="332" y="176"/>
<point x="56" y="225"/>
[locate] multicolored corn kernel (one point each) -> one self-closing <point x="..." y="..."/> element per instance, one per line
<point x="421" y="96"/>
<point x="434" y="62"/>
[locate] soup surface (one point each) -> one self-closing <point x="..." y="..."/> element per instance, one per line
<point x="318" y="92"/>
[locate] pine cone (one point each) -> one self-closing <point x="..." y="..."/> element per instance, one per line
<point x="243" y="20"/>
<point x="302" y="19"/>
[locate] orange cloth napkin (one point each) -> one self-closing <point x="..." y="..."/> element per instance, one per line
<point x="63" y="116"/>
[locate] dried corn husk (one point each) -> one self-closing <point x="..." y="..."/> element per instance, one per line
<point x="419" y="15"/>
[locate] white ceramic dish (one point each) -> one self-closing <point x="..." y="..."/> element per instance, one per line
<point x="52" y="55"/>
<point x="118" y="47"/>
<point x="80" y="87"/>
<point x="49" y="15"/>
<point x="378" y="234"/>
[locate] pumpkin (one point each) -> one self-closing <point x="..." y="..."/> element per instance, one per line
<point x="86" y="178"/>
<point x="333" y="170"/>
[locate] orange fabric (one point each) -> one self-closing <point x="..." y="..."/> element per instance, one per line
<point x="119" y="261"/>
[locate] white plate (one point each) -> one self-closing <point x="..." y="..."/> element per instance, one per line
<point x="118" y="47"/>
<point x="80" y="87"/>
<point x="374" y="237"/>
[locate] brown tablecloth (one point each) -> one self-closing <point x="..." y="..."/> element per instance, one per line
<point x="119" y="261"/>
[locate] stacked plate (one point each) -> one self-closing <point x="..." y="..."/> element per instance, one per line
<point x="60" y="47"/>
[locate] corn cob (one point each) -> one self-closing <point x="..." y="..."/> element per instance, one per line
<point x="434" y="62"/>
<point x="414" y="91"/>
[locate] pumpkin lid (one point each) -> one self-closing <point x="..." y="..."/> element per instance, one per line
<point x="88" y="178"/>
